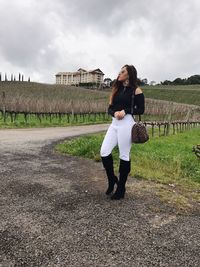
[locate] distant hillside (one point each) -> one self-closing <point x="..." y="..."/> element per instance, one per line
<point x="48" y="90"/>
<point x="188" y="94"/>
<point x="40" y="97"/>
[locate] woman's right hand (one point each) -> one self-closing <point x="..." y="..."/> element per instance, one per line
<point x="117" y="115"/>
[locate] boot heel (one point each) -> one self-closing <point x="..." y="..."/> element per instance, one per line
<point x="111" y="185"/>
<point x="123" y="193"/>
<point x="118" y="194"/>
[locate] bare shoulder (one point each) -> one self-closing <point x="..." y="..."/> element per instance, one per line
<point x="138" y="90"/>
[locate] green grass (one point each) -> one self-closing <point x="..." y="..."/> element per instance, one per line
<point x="164" y="166"/>
<point x="33" y="121"/>
<point x="166" y="159"/>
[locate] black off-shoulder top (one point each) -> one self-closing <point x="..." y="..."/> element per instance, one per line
<point x="122" y="100"/>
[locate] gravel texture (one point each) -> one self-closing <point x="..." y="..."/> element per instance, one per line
<point x="54" y="211"/>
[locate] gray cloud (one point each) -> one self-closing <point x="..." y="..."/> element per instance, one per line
<point x="41" y="38"/>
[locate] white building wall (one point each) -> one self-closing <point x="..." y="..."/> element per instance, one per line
<point x="76" y="78"/>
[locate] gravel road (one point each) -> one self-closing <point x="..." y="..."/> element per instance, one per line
<point x="54" y="211"/>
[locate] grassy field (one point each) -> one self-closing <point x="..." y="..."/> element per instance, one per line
<point x="165" y="160"/>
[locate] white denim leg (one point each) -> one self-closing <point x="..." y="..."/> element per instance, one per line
<point x="109" y="141"/>
<point x="124" y="136"/>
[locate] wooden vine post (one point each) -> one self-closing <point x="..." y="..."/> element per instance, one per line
<point x="4" y="105"/>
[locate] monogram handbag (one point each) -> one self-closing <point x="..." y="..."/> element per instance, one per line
<point x="139" y="132"/>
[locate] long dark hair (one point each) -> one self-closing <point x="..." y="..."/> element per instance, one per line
<point x="133" y="81"/>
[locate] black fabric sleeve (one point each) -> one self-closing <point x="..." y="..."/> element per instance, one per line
<point x="138" y="105"/>
<point x="110" y="110"/>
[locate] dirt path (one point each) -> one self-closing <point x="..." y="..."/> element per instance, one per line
<point x="54" y="211"/>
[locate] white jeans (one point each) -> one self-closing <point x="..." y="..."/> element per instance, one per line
<point x="119" y="132"/>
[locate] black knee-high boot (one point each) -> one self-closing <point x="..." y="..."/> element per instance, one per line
<point x="112" y="178"/>
<point x="124" y="169"/>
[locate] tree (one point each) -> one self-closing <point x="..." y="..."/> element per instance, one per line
<point x="178" y="81"/>
<point x="195" y="79"/>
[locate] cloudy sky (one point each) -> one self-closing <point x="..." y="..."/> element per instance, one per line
<point x="42" y="37"/>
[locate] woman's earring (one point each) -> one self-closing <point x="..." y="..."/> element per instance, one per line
<point x="126" y="82"/>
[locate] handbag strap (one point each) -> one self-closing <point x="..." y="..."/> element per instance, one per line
<point x="132" y="99"/>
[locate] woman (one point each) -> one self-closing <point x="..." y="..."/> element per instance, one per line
<point x="119" y="131"/>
